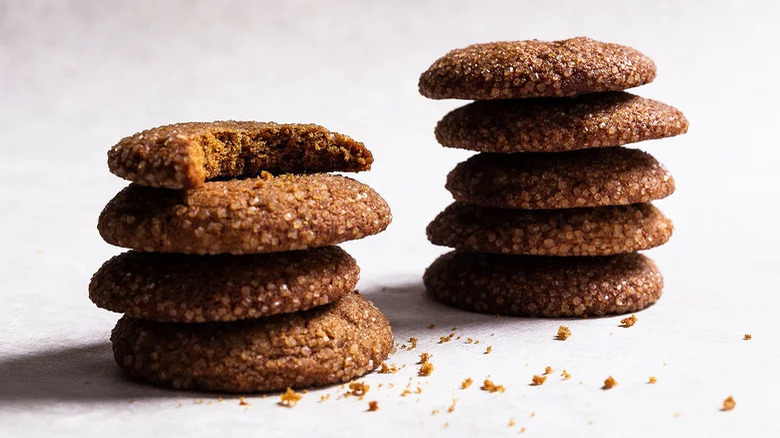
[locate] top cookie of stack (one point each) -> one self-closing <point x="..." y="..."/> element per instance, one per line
<point x="551" y="185"/>
<point x="233" y="282"/>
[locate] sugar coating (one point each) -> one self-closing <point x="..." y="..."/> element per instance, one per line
<point x="555" y="124"/>
<point x="324" y="345"/>
<point x="185" y="155"/>
<point x="255" y="215"/>
<point x="194" y="288"/>
<point x="585" y="178"/>
<point x="544" y="286"/>
<point x="594" y="231"/>
<point x="533" y="68"/>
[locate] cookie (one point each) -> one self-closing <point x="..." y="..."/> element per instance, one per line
<point x="255" y="215"/>
<point x="324" y="345"/>
<point x="194" y="288"/>
<point x="566" y="232"/>
<point x="518" y="69"/>
<point x="544" y="286"/>
<point x="585" y="178"/>
<point x="185" y="155"/>
<point x="557" y="125"/>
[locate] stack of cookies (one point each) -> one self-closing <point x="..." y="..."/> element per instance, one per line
<point x="549" y="216"/>
<point x="233" y="282"/>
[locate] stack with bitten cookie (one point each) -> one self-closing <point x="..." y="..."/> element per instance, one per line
<point x="549" y="216"/>
<point x="233" y="282"/>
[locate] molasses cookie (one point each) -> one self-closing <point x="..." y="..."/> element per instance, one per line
<point x="185" y="155"/>
<point x="328" y="344"/>
<point x="194" y="288"/>
<point x="255" y="215"/>
<point x="544" y="286"/>
<point x="565" y="232"/>
<point x="585" y="178"/>
<point x="556" y="125"/>
<point x="518" y="69"/>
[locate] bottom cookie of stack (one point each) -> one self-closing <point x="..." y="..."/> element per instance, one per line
<point x="544" y="286"/>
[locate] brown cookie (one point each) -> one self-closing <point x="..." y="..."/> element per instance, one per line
<point x="595" y="231"/>
<point x="247" y="216"/>
<point x="185" y="155"/>
<point x="557" y="125"/>
<point x="544" y="286"/>
<point x="585" y="178"/>
<point x="324" y="345"/>
<point x="515" y="69"/>
<point x="194" y="288"/>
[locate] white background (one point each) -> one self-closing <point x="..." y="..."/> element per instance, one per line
<point x="75" y="77"/>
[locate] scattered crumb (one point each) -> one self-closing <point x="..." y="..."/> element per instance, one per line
<point x="452" y="406"/>
<point x="242" y="402"/>
<point x="419" y="391"/>
<point x="358" y="389"/>
<point x="476" y="341"/>
<point x="289" y="398"/>
<point x="469" y="340"/>
<point x="434" y="412"/>
<point x="179" y="405"/>
<point x="628" y="322"/>
<point x="466" y="383"/>
<point x="219" y="400"/>
<point x="447" y="424"/>
<point x="405" y="393"/>
<point x="609" y="383"/>
<point x="538" y="380"/>
<point x="747" y="337"/>
<point x="324" y="397"/>
<point x="548" y="370"/>
<point x="424" y="357"/>
<point x="676" y="415"/>
<point x="373" y="406"/>
<point x="448" y="338"/>
<point x="492" y="334"/>
<point x="412" y="341"/>
<point x="488" y="349"/>
<point x="533" y="414"/>
<point x="729" y="404"/>
<point x="426" y="369"/>
<point x="563" y="333"/>
<point x="664" y="363"/>
<point x="457" y="338"/>
<point x="566" y="375"/>
<point x="489" y="386"/>
<point x="453" y="329"/>
<point x="522" y="429"/>
<point x="511" y="421"/>
<point x="385" y="369"/>
<point x="652" y="380"/>
<point x="432" y="326"/>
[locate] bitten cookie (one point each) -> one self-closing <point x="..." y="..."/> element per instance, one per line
<point x="185" y="155"/>
<point x="567" y="232"/>
<point x="257" y="215"/>
<point x="193" y="288"/>
<point x="324" y="345"/>
<point x="557" y="125"/>
<point x="516" y="69"/>
<point x="586" y="178"/>
<point x="544" y="286"/>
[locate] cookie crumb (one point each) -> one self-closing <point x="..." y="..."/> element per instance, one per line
<point x="469" y="340"/>
<point x="426" y="369"/>
<point x="466" y="383"/>
<point x="609" y="383"/>
<point x="432" y="326"/>
<point x="522" y="429"/>
<point x="729" y="404"/>
<point x="563" y="333"/>
<point x="358" y="389"/>
<point x="566" y="375"/>
<point x="538" y="380"/>
<point x="289" y="398"/>
<point x="324" y="397"/>
<point x="628" y="322"/>
<point x="405" y="393"/>
<point x="533" y="414"/>
<point x="652" y="380"/>
<point x="242" y="402"/>
<point x="373" y="406"/>
<point x="424" y="357"/>
<point x="488" y="349"/>
<point x="548" y="370"/>
<point x="452" y="406"/>
<point x="448" y="338"/>
<point x="747" y="337"/>
<point x="511" y="421"/>
<point x="676" y="415"/>
<point x="385" y="369"/>
<point x="412" y="341"/>
<point x="489" y="386"/>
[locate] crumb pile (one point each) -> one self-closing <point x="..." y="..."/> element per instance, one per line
<point x="233" y="281"/>
<point x="551" y="212"/>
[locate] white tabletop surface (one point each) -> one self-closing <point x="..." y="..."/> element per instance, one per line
<point x="77" y="76"/>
